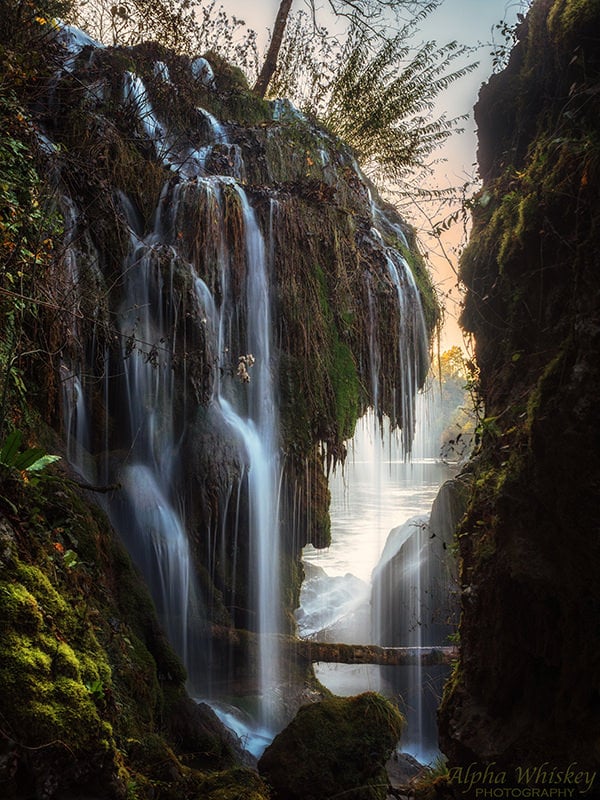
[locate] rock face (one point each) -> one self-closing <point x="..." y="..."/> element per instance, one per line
<point x="414" y="603"/>
<point x="415" y="582"/>
<point x="93" y="698"/>
<point x="336" y="746"/>
<point x="245" y="297"/>
<point x="214" y="296"/>
<point x="526" y="689"/>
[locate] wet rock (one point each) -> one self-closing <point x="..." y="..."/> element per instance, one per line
<point x="335" y="746"/>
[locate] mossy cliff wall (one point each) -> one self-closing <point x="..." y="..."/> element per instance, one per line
<point x="527" y="688"/>
<point x="93" y="701"/>
<point x="93" y="698"/>
<point x="160" y="168"/>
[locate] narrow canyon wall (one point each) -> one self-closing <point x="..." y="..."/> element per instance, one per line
<point x="526" y="689"/>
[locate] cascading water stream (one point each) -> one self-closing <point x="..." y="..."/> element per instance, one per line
<point x="387" y="476"/>
<point x="194" y="292"/>
<point x="153" y="526"/>
<point x="256" y="426"/>
<point x="263" y="450"/>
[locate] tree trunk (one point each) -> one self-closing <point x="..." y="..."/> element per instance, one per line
<point x="270" y="64"/>
<point x="373" y="654"/>
<point x="336" y="653"/>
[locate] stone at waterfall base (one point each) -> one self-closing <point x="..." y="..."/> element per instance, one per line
<point x="402" y="768"/>
<point x="334" y="746"/>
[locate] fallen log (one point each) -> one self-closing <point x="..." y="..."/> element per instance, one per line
<point x="338" y="653"/>
<point x="373" y="654"/>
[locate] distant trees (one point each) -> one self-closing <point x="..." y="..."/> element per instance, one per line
<point x="457" y="417"/>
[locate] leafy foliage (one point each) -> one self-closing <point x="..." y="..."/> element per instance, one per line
<point x="188" y="26"/>
<point x="459" y="406"/>
<point x="375" y="92"/>
<point x="33" y="459"/>
<point x="382" y="101"/>
<point x="308" y="62"/>
<point x="28" y="223"/>
<point x="508" y="33"/>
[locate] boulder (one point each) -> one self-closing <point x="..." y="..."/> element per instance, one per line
<point x="339" y="745"/>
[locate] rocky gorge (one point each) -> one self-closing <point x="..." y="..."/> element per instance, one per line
<point x="201" y="295"/>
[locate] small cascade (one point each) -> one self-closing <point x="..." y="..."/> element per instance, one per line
<point x="161" y="72"/>
<point x="218" y="156"/>
<point x="255" y="422"/>
<point x="244" y="398"/>
<point x="79" y="256"/>
<point x="75" y="419"/>
<point x="155" y="535"/>
<point x="218" y="133"/>
<point x="135" y="96"/>
<point x="74" y="41"/>
<point x="148" y="514"/>
<point x="202" y="71"/>
<point x="406" y="602"/>
<point x="262" y="443"/>
<point x="411" y="582"/>
<point x="413" y="343"/>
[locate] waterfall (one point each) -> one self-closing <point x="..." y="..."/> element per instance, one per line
<point x="223" y="278"/>
<point x="412" y="338"/>
<point x="381" y="581"/>
<point x="149" y="514"/>
<point x="244" y="398"/>
<point x="257" y="428"/>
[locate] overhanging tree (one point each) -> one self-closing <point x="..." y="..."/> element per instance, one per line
<point x="366" y="14"/>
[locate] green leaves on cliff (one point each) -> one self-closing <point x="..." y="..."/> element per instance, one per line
<point x="382" y="101"/>
<point x="33" y="459"/>
<point x="28" y="227"/>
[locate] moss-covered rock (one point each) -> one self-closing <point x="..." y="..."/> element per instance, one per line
<point x="90" y="685"/>
<point x="337" y="746"/>
<point x="527" y="683"/>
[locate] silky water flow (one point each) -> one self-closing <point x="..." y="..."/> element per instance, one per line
<point x="148" y="450"/>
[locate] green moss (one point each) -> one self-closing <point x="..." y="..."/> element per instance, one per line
<point x="304" y="761"/>
<point x="569" y="17"/>
<point x="340" y="363"/>
<point x="346" y="388"/>
<point x="242" y="107"/>
<point x="75" y="675"/>
<point x="45" y="696"/>
<point x="234" y="784"/>
<point x="19" y="607"/>
<point x="429" y="301"/>
<point x="67" y="663"/>
<point x="334" y="397"/>
<point x="228" y="77"/>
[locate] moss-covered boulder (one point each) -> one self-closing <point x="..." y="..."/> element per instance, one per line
<point x="93" y="699"/>
<point x="339" y="745"/>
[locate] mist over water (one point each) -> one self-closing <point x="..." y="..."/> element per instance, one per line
<point x="379" y="490"/>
